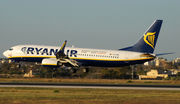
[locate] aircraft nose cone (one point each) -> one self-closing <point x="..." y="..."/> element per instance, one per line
<point x="5" y="54"/>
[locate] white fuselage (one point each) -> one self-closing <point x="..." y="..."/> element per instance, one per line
<point x="85" y="56"/>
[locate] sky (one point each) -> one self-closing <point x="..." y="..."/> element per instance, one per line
<point x="100" y="24"/>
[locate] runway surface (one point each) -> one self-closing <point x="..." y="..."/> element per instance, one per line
<point x="102" y="86"/>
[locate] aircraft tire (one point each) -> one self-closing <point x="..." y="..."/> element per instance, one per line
<point x="59" y="64"/>
<point x="18" y="65"/>
<point x="73" y="70"/>
<point x="85" y="70"/>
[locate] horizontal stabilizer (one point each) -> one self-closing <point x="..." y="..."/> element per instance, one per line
<point x="164" y="53"/>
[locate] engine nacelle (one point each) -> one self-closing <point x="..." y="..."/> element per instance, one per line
<point x="50" y="62"/>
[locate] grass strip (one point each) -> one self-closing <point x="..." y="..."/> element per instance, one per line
<point x="86" y="96"/>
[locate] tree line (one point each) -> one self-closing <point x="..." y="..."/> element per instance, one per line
<point x="94" y="72"/>
<point x="64" y="72"/>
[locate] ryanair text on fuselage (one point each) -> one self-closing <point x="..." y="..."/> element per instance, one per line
<point x="46" y="51"/>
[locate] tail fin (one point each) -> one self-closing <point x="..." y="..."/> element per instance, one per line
<point x="147" y="43"/>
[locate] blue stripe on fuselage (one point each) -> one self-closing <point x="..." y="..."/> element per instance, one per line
<point x="86" y="62"/>
<point x="28" y="59"/>
<point x="109" y="63"/>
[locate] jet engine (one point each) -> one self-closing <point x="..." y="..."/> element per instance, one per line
<point x="51" y="62"/>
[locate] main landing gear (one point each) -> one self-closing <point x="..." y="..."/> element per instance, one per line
<point x="85" y="70"/>
<point x="73" y="70"/>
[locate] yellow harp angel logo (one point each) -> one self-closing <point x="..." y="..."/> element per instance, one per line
<point x="149" y="38"/>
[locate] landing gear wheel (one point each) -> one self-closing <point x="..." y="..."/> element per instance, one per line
<point x="59" y="64"/>
<point x="85" y="70"/>
<point x="73" y="70"/>
<point x="18" y="65"/>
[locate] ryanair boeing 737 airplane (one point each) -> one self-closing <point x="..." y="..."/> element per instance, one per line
<point x="140" y="52"/>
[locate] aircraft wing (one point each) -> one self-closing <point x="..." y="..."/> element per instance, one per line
<point x="63" y="58"/>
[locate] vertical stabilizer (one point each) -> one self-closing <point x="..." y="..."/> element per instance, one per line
<point x="147" y="43"/>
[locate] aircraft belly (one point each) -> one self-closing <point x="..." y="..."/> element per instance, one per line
<point x="28" y="59"/>
<point x="109" y="63"/>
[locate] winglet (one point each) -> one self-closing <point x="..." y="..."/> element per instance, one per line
<point x="60" y="53"/>
<point x="63" y="47"/>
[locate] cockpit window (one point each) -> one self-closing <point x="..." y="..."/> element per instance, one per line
<point x="11" y="49"/>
